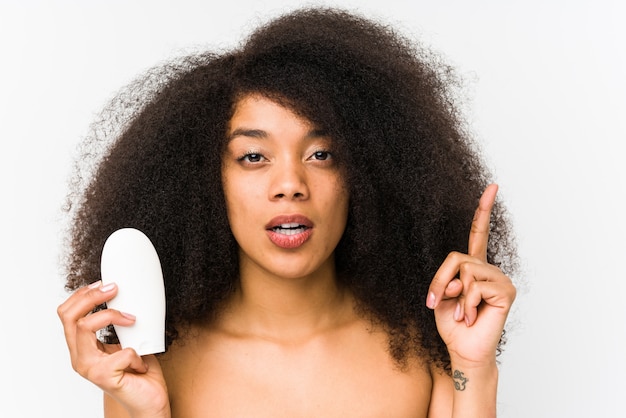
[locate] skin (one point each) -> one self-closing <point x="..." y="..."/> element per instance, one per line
<point x="289" y="341"/>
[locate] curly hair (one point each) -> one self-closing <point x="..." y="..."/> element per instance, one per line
<point x="413" y="172"/>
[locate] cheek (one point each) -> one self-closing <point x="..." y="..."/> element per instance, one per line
<point x="341" y="192"/>
<point x="341" y="212"/>
<point x="240" y="195"/>
<point x="232" y="199"/>
<point x="339" y="201"/>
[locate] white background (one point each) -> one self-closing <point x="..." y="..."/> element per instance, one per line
<point x="547" y="101"/>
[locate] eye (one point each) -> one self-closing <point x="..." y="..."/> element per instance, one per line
<point x="321" y="155"/>
<point x="251" y="157"/>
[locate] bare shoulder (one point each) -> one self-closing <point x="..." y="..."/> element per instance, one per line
<point x="343" y="372"/>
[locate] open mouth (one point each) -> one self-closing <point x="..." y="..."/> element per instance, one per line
<point x="289" y="229"/>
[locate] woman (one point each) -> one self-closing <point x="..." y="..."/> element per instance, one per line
<point x="310" y="196"/>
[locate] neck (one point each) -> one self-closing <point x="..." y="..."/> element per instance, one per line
<point x="288" y="309"/>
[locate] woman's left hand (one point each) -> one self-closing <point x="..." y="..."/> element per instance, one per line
<point x="471" y="297"/>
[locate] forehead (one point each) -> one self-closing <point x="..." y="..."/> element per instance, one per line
<point x="258" y="113"/>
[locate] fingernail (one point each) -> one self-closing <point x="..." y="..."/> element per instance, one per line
<point x="467" y="321"/>
<point x="457" y="313"/>
<point x="430" y="301"/>
<point x="128" y="316"/>
<point x="107" y="287"/>
<point x="95" y="284"/>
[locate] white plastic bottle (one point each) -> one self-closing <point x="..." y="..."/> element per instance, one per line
<point x="130" y="260"/>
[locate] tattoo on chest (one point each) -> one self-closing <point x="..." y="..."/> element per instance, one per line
<point x="459" y="380"/>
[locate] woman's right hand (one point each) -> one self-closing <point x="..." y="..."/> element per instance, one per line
<point x="135" y="382"/>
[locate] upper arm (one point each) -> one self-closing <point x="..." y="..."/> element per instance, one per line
<point x="112" y="409"/>
<point x="441" y="398"/>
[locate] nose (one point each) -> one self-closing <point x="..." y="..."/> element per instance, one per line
<point x="289" y="182"/>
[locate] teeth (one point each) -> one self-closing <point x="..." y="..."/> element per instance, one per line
<point x="289" y="229"/>
<point x="289" y="226"/>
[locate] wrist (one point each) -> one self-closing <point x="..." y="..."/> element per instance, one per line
<point x="487" y="362"/>
<point x="475" y="388"/>
<point x="477" y="377"/>
<point x="160" y="414"/>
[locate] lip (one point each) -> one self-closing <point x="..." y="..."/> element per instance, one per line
<point x="297" y="230"/>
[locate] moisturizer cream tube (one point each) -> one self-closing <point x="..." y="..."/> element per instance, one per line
<point x="130" y="260"/>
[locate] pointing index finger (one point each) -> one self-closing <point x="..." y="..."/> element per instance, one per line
<point x="479" y="231"/>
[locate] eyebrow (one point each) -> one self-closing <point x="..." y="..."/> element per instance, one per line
<point x="253" y="133"/>
<point x="261" y="134"/>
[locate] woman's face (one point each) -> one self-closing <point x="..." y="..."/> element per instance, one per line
<point x="285" y="195"/>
